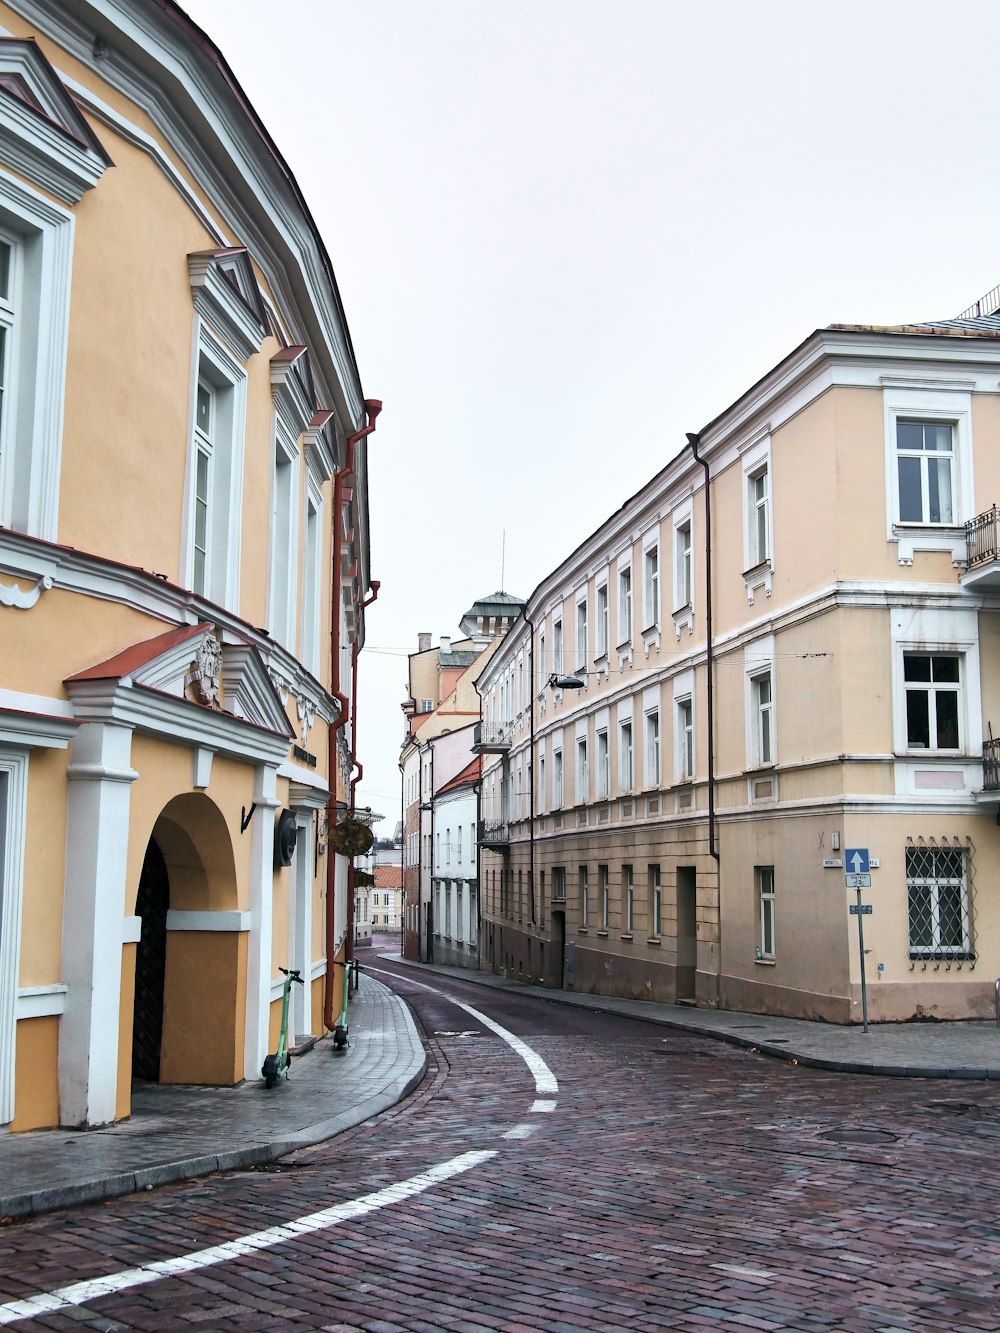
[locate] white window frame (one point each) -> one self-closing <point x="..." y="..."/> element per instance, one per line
<point x="758" y="564"/>
<point x="558" y="783"/>
<point x="651" y="587"/>
<point x="940" y="406"/>
<point x="931" y="689"/>
<point x="603" y="777"/>
<point x="760" y="715"/>
<point x="652" y="771"/>
<point x="764" y="882"/>
<point x="625" y="625"/>
<point x="936" y="949"/>
<point x="655" y="902"/>
<point x="558" y="645"/>
<point x="214" y="365"/>
<point x="626" y="755"/>
<point x="628" y="899"/>
<point x="582" y="771"/>
<point x="13" y="823"/>
<point x="31" y="457"/>
<point x="581" y="632"/>
<point x="285" y="479"/>
<point x="684" y="761"/>
<point x="584" y="878"/>
<point x="312" y="578"/>
<point x="602" y="626"/>
<point x="936" y="632"/>
<point x="604" y="890"/>
<point x="684" y="568"/>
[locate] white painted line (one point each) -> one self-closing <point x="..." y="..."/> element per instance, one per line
<point x="545" y="1080"/>
<point x="81" y="1293"/>
<point x="539" y="1107"/>
<point x="744" y="1272"/>
<point x="519" y="1132"/>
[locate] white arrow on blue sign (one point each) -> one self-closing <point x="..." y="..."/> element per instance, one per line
<point x="856" y="861"/>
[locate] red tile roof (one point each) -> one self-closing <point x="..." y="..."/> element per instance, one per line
<point x="471" y="773"/>
<point x="130" y="659"/>
<point x="388" y="877"/>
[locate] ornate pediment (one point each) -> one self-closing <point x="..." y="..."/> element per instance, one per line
<point x="226" y="295"/>
<point x="45" y="137"/>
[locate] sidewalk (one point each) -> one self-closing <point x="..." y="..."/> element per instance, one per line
<point x="176" y="1133"/>
<point x="968" y="1050"/>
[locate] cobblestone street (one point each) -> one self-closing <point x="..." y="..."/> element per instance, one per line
<point x="670" y="1182"/>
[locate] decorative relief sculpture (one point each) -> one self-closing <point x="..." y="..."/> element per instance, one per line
<point x="206" y="671"/>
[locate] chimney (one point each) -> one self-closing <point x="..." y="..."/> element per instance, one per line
<point x="446" y="643"/>
<point x="423" y="643"/>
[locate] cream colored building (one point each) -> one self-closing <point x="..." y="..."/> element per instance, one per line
<point x="778" y="656"/>
<point x="183" y="567"/>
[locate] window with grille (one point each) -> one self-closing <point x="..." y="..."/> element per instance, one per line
<point x="939" y="902"/>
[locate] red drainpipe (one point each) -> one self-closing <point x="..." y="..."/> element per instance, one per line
<point x="359" y="774"/>
<point x="373" y="407"/>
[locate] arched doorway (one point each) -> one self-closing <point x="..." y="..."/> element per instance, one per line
<point x="151" y="905"/>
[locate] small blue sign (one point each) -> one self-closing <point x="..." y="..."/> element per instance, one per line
<point x="856" y="861"/>
<point x="865" y="909"/>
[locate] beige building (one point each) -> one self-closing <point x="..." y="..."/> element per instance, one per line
<point x="183" y="568"/>
<point x="772" y="663"/>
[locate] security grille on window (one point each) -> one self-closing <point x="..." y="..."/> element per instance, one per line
<point x="932" y="682"/>
<point x="925" y="459"/>
<point x="939" y="902"/>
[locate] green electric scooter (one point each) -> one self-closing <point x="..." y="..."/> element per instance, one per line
<point x="276" y="1065"/>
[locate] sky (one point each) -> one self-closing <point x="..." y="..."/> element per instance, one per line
<point x="566" y="232"/>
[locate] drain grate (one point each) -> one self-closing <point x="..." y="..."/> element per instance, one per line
<point x="861" y="1135"/>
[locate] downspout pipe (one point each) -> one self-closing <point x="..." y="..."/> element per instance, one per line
<point x="694" y="441"/>
<point x="373" y="407"/>
<point x="359" y="772"/>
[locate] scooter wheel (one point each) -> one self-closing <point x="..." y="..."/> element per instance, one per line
<point x="269" y="1071"/>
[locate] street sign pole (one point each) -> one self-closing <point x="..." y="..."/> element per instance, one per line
<point x="861" y="947"/>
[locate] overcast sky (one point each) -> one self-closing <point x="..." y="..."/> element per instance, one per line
<point x="566" y="232"/>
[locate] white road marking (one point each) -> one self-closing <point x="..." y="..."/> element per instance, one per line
<point x="744" y="1272"/>
<point x="80" y="1293"/>
<point x="545" y="1080"/>
<point x="519" y="1132"/>
<point x="540" y="1106"/>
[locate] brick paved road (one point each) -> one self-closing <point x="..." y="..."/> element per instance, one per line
<point x="678" y="1184"/>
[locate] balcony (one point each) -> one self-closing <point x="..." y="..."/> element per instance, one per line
<point x="991" y="765"/>
<point x="982" y="546"/>
<point x="491" y="737"/>
<point x="494" y="835"/>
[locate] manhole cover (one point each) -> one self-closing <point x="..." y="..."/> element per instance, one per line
<point x="860" y="1136"/>
<point x="952" y="1108"/>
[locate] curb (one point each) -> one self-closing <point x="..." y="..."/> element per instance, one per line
<point x="784" y="1052"/>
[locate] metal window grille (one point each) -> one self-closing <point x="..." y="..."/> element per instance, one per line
<point x="940" y="894"/>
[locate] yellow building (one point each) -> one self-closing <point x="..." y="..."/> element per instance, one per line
<point x="183" y="568"/>
<point x="770" y="672"/>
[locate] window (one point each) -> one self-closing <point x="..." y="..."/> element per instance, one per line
<point x="925" y="457"/>
<point x="765" y="896"/>
<point x="582" y="784"/>
<point x="458" y="843"/>
<point x="543" y="674"/>
<point x="541" y="783"/>
<point x="652" y="776"/>
<point x="559" y="883"/>
<point x="760" y="687"/>
<point x="625" y="604"/>
<point x="557" y="647"/>
<point x="581" y="635"/>
<point x="584" y="897"/>
<point x="605" y="895"/>
<point x="932" y="701"/>
<point x="651" y="587"/>
<point x="655" y="903"/>
<point x="557" y="778"/>
<point x="284" y="537"/>
<point x="628" y="900"/>
<point x="602" y="621"/>
<point x="682" y="567"/>
<point x="758" y="525"/>
<point x="685" y="739"/>
<point x="603" y="766"/>
<point x="214" y="524"/>
<point x="312" y="581"/>
<point x="938" y="902"/>
<point x="426" y="705"/>
<point x="625" y="770"/>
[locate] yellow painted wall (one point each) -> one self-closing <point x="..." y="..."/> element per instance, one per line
<point x="123" y="1100"/>
<point x="204" y="997"/>
<point x="36" y="1088"/>
<point x="44" y="869"/>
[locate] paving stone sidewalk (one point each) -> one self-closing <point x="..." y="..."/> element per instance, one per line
<point x="176" y="1133"/>
<point x="967" y="1050"/>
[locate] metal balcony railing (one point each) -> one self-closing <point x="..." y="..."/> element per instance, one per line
<point x="494" y="833"/>
<point x="491" y="737"/>
<point x="981" y="538"/>
<point x="991" y="765"/>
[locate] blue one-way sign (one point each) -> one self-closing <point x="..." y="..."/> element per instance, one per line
<point x="856" y="861"/>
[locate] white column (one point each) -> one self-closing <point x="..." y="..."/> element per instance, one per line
<point x="261" y="915"/>
<point x="300" y="1018"/>
<point x="97" y="829"/>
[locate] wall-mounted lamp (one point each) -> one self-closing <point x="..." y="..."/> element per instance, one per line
<point x="558" y="682"/>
